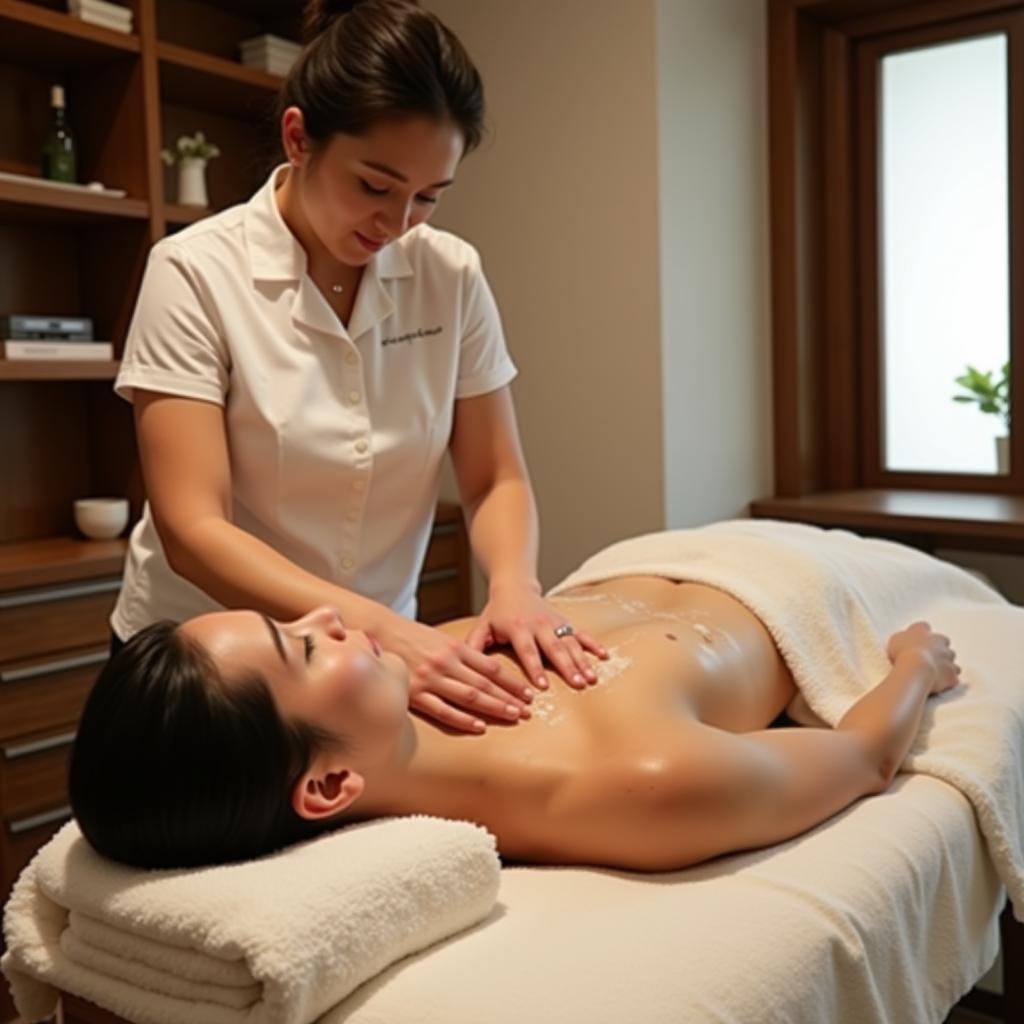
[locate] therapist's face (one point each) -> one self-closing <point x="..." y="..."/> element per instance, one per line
<point x="360" y="192"/>
<point x="319" y="672"/>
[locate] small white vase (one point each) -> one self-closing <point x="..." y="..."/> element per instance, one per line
<point x="1003" y="456"/>
<point x="192" y="182"/>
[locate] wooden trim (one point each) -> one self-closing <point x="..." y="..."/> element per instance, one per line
<point x="870" y="295"/>
<point x="984" y="522"/>
<point x="840" y="359"/>
<point x="923" y="15"/>
<point x="74" y="1010"/>
<point x="782" y="94"/>
<point x="1015" y="114"/>
<point x="145" y="14"/>
<point x="1012" y="935"/>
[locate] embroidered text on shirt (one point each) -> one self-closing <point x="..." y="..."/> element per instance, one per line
<point x="420" y="332"/>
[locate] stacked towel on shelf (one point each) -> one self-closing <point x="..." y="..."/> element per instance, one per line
<point x="277" y="940"/>
<point x="102" y="13"/>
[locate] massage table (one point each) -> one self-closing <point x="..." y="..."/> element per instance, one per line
<point x="889" y="912"/>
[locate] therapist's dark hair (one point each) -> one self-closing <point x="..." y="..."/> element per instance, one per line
<point x="377" y="60"/>
<point x="173" y="766"/>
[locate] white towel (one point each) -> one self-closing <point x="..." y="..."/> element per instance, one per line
<point x="277" y="940"/>
<point x="831" y="600"/>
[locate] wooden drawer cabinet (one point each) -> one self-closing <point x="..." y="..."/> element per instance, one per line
<point x="19" y="846"/>
<point x="444" y="586"/>
<point x="45" y="693"/>
<point x="43" y="620"/>
<point x="33" y="777"/>
<point x="53" y="641"/>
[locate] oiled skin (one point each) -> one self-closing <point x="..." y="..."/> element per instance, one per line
<point x="665" y="762"/>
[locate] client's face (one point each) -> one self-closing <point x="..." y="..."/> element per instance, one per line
<point x="318" y="671"/>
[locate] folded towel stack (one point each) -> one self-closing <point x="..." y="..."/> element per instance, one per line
<point x="103" y="13"/>
<point x="279" y="940"/>
<point x="270" y="53"/>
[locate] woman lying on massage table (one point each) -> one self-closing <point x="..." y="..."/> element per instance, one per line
<point x="233" y="735"/>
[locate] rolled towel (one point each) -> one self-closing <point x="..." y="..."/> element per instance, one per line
<point x="278" y="940"/>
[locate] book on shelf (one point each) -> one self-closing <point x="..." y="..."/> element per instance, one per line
<point x="66" y="351"/>
<point x="25" y="327"/>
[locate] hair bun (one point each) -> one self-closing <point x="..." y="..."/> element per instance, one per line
<point x="319" y="14"/>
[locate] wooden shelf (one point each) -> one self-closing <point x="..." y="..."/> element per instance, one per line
<point x="37" y="563"/>
<point x="180" y="215"/>
<point x="257" y="8"/>
<point x="52" y="369"/>
<point x="983" y="522"/>
<point x="39" y="204"/>
<point x="35" y="36"/>
<point x="191" y="78"/>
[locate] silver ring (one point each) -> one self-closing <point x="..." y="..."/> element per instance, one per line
<point x="564" y="630"/>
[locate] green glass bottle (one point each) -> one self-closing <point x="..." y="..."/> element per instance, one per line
<point x="59" y="147"/>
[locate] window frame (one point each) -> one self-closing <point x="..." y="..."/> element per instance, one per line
<point x="823" y="65"/>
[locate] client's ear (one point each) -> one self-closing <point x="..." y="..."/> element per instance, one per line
<point x="326" y="790"/>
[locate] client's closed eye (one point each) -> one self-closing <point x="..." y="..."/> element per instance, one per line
<point x="309" y="646"/>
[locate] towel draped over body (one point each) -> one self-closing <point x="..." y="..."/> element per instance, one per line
<point x="831" y="600"/>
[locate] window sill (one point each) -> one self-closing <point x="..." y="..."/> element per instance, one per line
<point x="924" y="519"/>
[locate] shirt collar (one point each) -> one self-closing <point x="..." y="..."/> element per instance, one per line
<point x="275" y="254"/>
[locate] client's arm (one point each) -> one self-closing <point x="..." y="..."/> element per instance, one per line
<point x="696" y="793"/>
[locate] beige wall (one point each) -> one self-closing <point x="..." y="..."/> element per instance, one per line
<point x="620" y="208"/>
<point x="714" y="258"/>
<point x="562" y="203"/>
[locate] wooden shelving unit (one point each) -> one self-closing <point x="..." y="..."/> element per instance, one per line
<point x="42" y="369"/>
<point x="71" y="253"/>
<point x="63" y="433"/>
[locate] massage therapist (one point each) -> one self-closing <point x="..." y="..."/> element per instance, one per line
<point x="299" y="364"/>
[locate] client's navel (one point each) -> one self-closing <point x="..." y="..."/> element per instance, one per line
<point x="700" y="629"/>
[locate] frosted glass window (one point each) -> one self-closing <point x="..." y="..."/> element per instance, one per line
<point x="944" y="253"/>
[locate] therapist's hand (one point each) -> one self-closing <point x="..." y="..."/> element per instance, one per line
<point x="451" y="682"/>
<point x="517" y="614"/>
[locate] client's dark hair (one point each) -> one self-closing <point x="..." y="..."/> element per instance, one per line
<point x="174" y="767"/>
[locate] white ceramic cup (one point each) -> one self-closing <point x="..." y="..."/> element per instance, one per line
<point x="101" y="518"/>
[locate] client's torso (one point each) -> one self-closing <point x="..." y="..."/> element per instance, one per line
<point x="681" y="654"/>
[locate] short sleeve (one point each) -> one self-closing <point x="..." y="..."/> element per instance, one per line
<point x="484" y="362"/>
<point x="174" y="344"/>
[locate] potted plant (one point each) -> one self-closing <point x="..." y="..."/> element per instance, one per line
<point x="190" y="154"/>
<point x="993" y="397"/>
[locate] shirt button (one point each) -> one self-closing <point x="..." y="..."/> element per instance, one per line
<point x="347" y="563"/>
<point x="354" y="396"/>
<point x="351" y="359"/>
<point x="351" y="515"/>
<point x="361" y="446"/>
<point x="358" y="485"/>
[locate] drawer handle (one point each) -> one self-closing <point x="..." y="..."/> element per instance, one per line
<point x="438" y="574"/>
<point x="444" y="529"/>
<point x="26" y="597"/>
<point x="16" y="750"/>
<point x="37" y="820"/>
<point x="17" y="675"/>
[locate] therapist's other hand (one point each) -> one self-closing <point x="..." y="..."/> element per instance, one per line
<point x="451" y="682"/>
<point x="517" y="614"/>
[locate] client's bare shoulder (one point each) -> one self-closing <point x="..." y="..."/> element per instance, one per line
<point x="537" y="784"/>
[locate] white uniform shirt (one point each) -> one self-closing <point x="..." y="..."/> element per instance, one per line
<point x="336" y="436"/>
